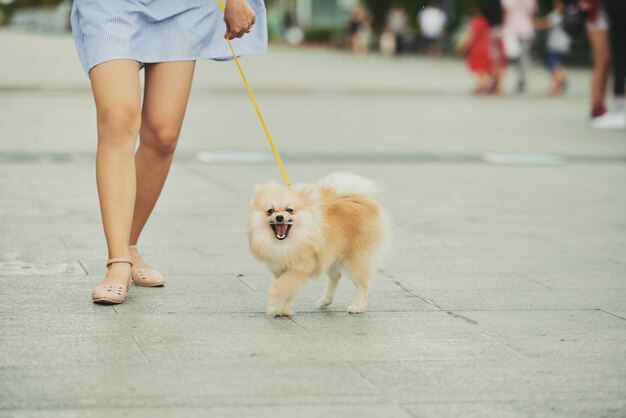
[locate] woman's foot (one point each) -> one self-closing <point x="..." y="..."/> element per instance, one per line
<point x="141" y="273"/>
<point x="114" y="287"/>
<point x="117" y="273"/>
<point x="136" y="257"/>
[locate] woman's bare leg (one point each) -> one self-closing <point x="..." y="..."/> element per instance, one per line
<point x="117" y="93"/>
<point x="599" y="40"/>
<point x="166" y="93"/>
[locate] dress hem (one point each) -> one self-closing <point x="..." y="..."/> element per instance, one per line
<point x="176" y="59"/>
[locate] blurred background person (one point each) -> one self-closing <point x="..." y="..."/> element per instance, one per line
<point x="598" y="34"/>
<point x="432" y="23"/>
<point x="519" y="22"/>
<point x="398" y="25"/>
<point x="387" y="43"/>
<point x="476" y="46"/>
<point x="492" y="11"/>
<point x="616" y="12"/>
<point x="558" y="43"/>
<point x="294" y="35"/>
<point x="359" y="31"/>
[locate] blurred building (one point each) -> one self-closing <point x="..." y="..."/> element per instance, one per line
<point x="325" y="13"/>
<point x="314" y="14"/>
<point x="47" y="16"/>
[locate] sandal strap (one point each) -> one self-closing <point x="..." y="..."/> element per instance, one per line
<point x="120" y="260"/>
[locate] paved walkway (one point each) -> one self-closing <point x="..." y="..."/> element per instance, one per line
<point x="505" y="295"/>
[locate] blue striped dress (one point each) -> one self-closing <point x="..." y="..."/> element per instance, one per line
<point x="150" y="31"/>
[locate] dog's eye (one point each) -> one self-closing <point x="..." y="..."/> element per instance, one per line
<point x="270" y="211"/>
<point x="289" y="210"/>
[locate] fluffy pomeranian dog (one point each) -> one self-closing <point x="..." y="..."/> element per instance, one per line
<point x="309" y="230"/>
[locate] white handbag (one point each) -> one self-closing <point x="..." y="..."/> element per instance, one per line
<point x="512" y="45"/>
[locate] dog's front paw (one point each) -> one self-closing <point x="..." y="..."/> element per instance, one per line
<point x="276" y="311"/>
<point x="324" y="301"/>
<point x="272" y="310"/>
<point x="354" y="309"/>
<point x="279" y="313"/>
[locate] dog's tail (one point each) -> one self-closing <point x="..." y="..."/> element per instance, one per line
<point x="348" y="184"/>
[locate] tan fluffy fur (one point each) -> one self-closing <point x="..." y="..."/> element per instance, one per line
<point x="337" y="226"/>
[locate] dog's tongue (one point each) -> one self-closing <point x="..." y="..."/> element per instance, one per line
<point x="281" y="229"/>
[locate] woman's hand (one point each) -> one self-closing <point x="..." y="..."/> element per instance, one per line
<point x="239" y="18"/>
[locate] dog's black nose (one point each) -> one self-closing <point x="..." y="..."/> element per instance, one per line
<point x="280" y="218"/>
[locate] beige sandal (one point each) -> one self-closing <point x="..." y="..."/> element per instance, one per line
<point x="112" y="294"/>
<point x="146" y="276"/>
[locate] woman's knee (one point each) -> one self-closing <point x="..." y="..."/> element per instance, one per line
<point x="119" y="123"/>
<point x="161" y="138"/>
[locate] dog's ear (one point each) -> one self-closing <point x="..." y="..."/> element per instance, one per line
<point x="309" y="191"/>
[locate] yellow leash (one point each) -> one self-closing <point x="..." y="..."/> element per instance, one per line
<point x="258" y="111"/>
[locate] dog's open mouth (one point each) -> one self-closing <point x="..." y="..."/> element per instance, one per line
<point x="281" y="230"/>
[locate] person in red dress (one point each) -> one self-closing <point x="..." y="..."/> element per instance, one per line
<point x="478" y="52"/>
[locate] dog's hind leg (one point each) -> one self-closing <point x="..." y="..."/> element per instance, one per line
<point x="359" y="271"/>
<point x="283" y="292"/>
<point x="333" y="279"/>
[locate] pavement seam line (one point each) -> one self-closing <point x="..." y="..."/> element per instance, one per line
<point x="533" y="281"/>
<point x="143" y="353"/>
<point x="248" y="285"/>
<point x="505" y="344"/>
<point x="417" y="295"/>
<point x="439" y="307"/>
<point x="407" y="410"/>
<point x="83" y="267"/>
<point x="64" y="243"/>
<point x="612" y="314"/>
<point x="365" y="379"/>
<point x="298" y="324"/>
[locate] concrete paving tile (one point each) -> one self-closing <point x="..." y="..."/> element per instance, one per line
<point x="157" y="301"/>
<point x="152" y="385"/>
<point x="387" y="324"/>
<point x="545" y="409"/>
<point x="598" y="279"/>
<point x="77" y="350"/>
<point x="37" y="262"/>
<point x="582" y="334"/>
<point x="243" y="411"/>
<point x="200" y="283"/>
<point x="610" y="345"/>
<point x="495" y="381"/>
<point x="202" y="326"/>
<point x="457" y="300"/>
<point x="545" y="321"/>
<point x="445" y="280"/>
<point x="273" y="347"/>
<point x="485" y="263"/>
<point x="49" y="295"/>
